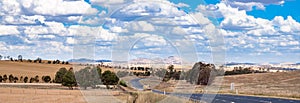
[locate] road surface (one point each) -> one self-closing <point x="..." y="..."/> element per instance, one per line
<point x="219" y="98"/>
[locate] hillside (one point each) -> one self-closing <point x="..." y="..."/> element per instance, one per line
<point x="29" y="69"/>
<point x="284" y="84"/>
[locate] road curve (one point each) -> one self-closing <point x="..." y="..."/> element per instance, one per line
<point x="219" y="98"/>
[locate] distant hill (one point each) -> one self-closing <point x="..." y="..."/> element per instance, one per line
<point x="233" y="63"/>
<point x="85" y="60"/>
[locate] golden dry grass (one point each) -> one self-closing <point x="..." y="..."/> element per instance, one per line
<point x="281" y="84"/>
<point x="30" y="95"/>
<point x="29" y="69"/>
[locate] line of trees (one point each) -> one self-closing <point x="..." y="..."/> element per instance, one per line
<point x="200" y="74"/>
<point x="14" y="79"/>
<point x="241" y="70"/>
<point x="38" y="60"/>
<point x="87" y="77"/>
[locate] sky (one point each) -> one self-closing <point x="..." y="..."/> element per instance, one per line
<point x="256" y="31"/>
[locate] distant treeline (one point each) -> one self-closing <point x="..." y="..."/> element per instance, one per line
<point x="38" y="60"/>
<point x="241" y="70"/>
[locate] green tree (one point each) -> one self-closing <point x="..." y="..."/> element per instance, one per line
<point x="59" y="75"/>
<point x="109" y="78"/>
<point x="46" y="79"/>
<point x="69" y="79"/>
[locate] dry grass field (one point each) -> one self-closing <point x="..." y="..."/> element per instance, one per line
<point x="280" y="84"/>
<point x="29" y="69"/>
<point x="32" y="69"/>
<point x="30" y="95"/>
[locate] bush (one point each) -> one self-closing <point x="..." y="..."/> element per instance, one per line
<point x="25" y="79"/>
<point x="46" y="79"/>
<point x="11" y="78"/>
<point x="31" y="80"/>
<point x="109" y="78"/>
<point x="1" y="78"/>
<point x="123" y="83"/>
<point x="36" y="78"/>
<point x="4" y="77"/>
<point x="16" y="79"/>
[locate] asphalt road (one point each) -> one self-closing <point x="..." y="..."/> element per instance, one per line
<point x="219" y="98"/>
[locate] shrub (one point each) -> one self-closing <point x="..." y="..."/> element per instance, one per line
<point x="4" y="77"/>
<point x="21" y="78"/>
<point x="11" y="78"/>
<point x="36" y="78"/>
<point x="16" y="79"/>
<point x="46" y="79"/>
<point x="123" y="83"/>
<point x="31" y="80"/>
<point x="25" y="79"/>
<point x="1" y="78"/>
<point x="109" y="78"/>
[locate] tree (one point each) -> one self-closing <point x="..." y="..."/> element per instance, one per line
<point x="4" y="77"/>
<point x="69" y="79"/>
<point x="31" y="80"/>
<point x="201" y="73"/>
<point x="0" y="57"/>
<point x="20" y="58"/>
<point x="25" y="79"/>
<point x="1" y="79"/>
<point x="21" y="78"/>
<point x="109" y="78"/>
<point x="46" y="79"/>
<point x="59" y="75"/>
<point x="171" y="68"/>
<point x="11" y="78"/>
<point x="83" y="77"/>
<point x="88" y="77"/>
<point x="36" y="78"/>
<point x="16" y="79"/>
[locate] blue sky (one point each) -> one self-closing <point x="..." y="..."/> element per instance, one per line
<point x="258" y="31"/>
